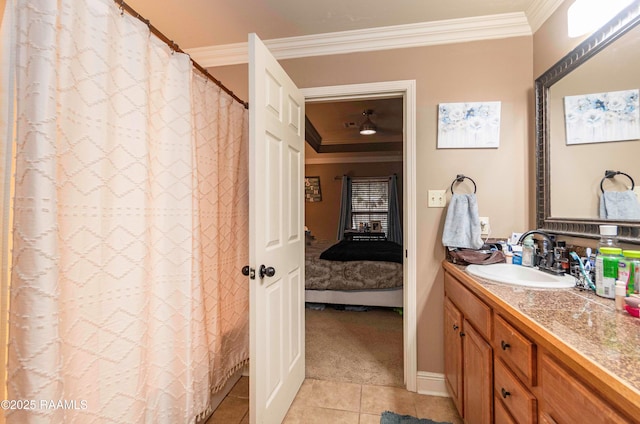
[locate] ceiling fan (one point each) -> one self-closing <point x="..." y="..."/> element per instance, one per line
<point x="367" y="127"/>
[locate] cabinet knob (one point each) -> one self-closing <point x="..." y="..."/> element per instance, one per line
<point x="504" y="393"/>
<point x="505" y="345"/>
<point x="462" y="334"/>
<point x="455" y="326"/>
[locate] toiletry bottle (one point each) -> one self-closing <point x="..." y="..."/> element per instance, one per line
<point x="528" y="252"/>
<point x="621" y="291"/>
<point x="561" y="255"/>
<point x="607" y="271"/>
<point x="629" y="270"/>
<point x="508" y="257"/>
<point x="608" y="236"/>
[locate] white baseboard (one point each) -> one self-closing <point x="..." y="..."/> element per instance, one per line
<point x="432" y="384"/>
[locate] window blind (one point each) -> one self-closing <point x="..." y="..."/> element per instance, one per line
<point x="369" y="201"/>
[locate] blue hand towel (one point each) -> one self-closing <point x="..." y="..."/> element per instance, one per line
<point x="619" y="205"/>
<point x="462" y="224"/>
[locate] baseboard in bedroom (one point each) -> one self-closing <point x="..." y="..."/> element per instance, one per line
<point x="432" y="384"/>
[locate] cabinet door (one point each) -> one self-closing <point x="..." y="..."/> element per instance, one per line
<point x="453" y="352"/>
<point x="568" y="401"/>
<point x="478" y="377"/>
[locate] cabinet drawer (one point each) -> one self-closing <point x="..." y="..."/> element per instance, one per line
<point x="476" y="312"/>
<point x="501" y="416"/>
<point x="516" y="350"/>
<point x="520" y="403"/>
<point x="567" y="400"/>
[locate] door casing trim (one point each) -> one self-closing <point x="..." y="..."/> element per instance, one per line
<point x="407" y="90"/>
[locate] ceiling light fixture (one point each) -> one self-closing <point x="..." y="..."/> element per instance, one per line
<point x="367" y="127"/>
<point x="585" y="16"/>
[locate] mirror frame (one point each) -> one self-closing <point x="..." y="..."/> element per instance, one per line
<point x="628" y="231"/>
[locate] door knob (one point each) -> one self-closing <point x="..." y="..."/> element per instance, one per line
<point x="268" y="271"/>
<point x="248" y="271"/>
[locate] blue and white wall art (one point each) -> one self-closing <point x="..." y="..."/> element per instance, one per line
<point x="469" y="125"/>
<point x="602" y="117"/>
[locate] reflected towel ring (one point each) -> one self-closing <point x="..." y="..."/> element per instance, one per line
<point x="459" y="179"/>
<point x="611" y="174"/>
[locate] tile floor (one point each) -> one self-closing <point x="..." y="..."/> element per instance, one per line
<point x="320" y="401"/>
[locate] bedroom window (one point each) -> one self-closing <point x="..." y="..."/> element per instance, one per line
<point x="370" y="201"/>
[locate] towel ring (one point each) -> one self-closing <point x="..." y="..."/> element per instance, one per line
<point x="611" y="174"/>
<point x="460" y="178"/>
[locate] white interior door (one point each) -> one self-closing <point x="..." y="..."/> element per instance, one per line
<point x="276" y="163"/>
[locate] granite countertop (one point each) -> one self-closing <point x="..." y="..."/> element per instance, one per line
<point x="585" y="322"/>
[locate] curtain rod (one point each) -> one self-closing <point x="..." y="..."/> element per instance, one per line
<point x="125" y="7"/>
<point x="382" y="177"/>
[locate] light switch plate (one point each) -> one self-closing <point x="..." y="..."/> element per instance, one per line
<point x="437" y="198"/>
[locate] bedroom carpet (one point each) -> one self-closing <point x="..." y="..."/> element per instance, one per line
<point x="355" y="347"/>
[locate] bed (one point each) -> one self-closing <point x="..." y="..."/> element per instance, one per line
<point x="367" y="273"/>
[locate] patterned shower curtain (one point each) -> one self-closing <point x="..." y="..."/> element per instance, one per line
<point x="131" y="210"/>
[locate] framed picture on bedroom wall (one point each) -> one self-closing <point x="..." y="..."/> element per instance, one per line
<point x="312" y="191"/>
<point x="376" y="226"/>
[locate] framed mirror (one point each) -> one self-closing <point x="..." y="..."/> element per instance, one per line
<point x="568" y="174"/>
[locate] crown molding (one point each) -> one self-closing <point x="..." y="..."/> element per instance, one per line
<point x="352" y="159"/>
<point x="539" y="11"/>
<point x="371" y="39"/>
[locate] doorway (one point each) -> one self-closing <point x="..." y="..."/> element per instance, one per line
<point x="406" y="91"/>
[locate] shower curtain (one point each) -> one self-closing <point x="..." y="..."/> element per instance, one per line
<point x="130" y="223"/>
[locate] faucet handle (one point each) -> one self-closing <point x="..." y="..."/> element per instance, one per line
<point x="540" y="260"/>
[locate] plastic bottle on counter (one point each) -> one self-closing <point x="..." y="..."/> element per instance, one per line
<point x="508" y="257"/>
<point x="607" y="271"/>
<point x="621" y="290"/>
<point x="528" y="252"/>
<point x="562" y="256"/>
<point x="629" y="270"/>
<point x="608" y="236"/>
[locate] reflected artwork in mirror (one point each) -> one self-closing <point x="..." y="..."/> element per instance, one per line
<point x="568" y="173"/>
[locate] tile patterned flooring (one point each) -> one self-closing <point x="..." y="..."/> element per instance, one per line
<point x="320" y="401"/>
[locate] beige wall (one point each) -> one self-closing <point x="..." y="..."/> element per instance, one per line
<point x="322" y="217"/>
<point x="551" y="42"/>
<point x="476" y="71"/>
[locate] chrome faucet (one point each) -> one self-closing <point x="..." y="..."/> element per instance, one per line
<point x="545" y="260"/>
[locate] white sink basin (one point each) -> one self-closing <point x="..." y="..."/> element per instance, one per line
<point x="518" y="275"/>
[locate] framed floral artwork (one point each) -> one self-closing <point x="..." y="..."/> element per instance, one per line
<point x="469" y="125"/>
<point x="602" y="117"/>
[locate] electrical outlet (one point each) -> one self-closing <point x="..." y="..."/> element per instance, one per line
<point x="437" y="198"/>
<point x="485" y="229"/>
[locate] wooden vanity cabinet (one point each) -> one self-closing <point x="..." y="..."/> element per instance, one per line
<point x="468" y="354"/>
<point x="501" y="370"/>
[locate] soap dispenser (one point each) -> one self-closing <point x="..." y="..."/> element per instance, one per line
<point x="528" y="252"/>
